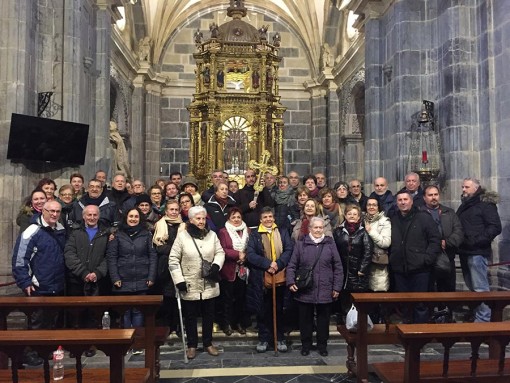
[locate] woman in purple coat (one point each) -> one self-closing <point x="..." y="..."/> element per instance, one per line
<point x="327" y="283"/>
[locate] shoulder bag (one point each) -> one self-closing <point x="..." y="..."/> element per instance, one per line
<point x="304" y="275"/>
<point x="206" y="265"/>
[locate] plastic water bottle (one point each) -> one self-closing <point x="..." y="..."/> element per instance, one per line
<point x="105" y="322"/>
<point x="58" y="364"/>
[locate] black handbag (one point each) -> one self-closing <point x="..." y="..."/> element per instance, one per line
<point x="304" y="275"/>
<point x="206" y="265"/>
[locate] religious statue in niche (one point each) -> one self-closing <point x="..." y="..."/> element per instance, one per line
<point x="120" y="155"/>
<point x="269" y="79"/>
<point x="207" y="76"/>
<point x="255" y="79"/>
<point x="220" y="78"/>
<point x="214" y="30"/>
<point x="144" y="49"/>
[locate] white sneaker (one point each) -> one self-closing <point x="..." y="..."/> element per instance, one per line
<point x="281" y="346"/>
<point x="262" y="347"/>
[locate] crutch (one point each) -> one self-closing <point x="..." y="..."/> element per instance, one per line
<point x="179" y="306"/>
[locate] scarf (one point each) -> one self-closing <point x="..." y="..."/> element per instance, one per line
<point x="195" y="232"/>
<point x="221" y="201"/>
<point x="132" y="230"/>
<point x="304" y="230"/>
<point x="352" y="227"/>
<point x="316" y="240"/>
<point x="374" y="218"/>
<point x="161" y="229"/>
<point x="197" y="199"/>
<point x="284" y="197"/>
<point x="239" y="240"/>
<point x="88" y="200"/>
<point x="271" y="241"/>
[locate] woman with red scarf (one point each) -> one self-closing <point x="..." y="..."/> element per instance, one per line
<point x="311" y="208"/>
<point x="355" y="247"/>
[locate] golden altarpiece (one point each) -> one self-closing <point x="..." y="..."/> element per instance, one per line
<point x="236" y="113"/>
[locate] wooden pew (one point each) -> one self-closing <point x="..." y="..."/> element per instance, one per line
<point x="147" y="304"/>
<point x="114" y="343"/>
<point x="415" y="336"/>
<point x="161" y="335"/>
<point x="357" y="343"/>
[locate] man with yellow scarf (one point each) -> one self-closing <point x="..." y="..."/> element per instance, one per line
<point x="269" y="251"/>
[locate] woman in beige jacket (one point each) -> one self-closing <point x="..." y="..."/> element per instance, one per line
<point x="191" y="247"/>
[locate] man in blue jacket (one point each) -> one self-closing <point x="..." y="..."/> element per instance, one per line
<point x="38" y="264"/>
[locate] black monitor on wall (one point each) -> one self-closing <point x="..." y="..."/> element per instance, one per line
<point x="43" y="139"/>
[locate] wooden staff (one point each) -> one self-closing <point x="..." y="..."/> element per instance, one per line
<point x="275" y="327"/>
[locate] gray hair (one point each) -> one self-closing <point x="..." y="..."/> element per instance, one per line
<point x="475" y="181"/>
<point x="195" y="210"/>
<point x="412" y="174"/>
<point x="317" y="219"/>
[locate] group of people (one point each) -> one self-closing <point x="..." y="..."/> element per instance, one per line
<point x="232" y="253"/>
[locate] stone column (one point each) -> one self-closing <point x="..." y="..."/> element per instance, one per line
<point x="152" y="131"/>
<point x="138" y="130"/>
<point x="99" y="151"/>
<point x="17" y="95"/>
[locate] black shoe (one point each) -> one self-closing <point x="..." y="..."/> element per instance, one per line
<point x="32" y="359"/>
<point x="90" y="353"/>
<point x="305" y="352"/>
<point x="323" y="352"/>
<point x="227" y="330"/>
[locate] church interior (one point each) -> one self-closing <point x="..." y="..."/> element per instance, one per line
<point x="351" y="88"/>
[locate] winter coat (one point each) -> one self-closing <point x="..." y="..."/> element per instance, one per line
<point x="283" y="201"/>
<point x="415" y="242"/>
<point x="216" y="213"/>
<point x="356" y="254"/>
<point x="26" y="217"/>
<point x="185" y="263"/>
<point x="132" y="260"/>
<point x="228" y="271"/>
<point x="164" y="283"/>
<point x="243" y="198"/>
<point x="258" y="264"/>
<point x="83" y="256"/>
<point x="451" y="229"/>
<point x="38" y="258"/>
<point x="108" y="212"/>
<point x="328" y="273"/>
<point x="296" y="231"/>
<point x="481" y="223"/>
<point x="380" y="232"/>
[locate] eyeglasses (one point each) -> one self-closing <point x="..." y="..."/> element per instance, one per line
<point x="355" y="186"/>
<point x="137" y="186"/>
<point x="66" y="194"/>
<point x="156" y="193"/>
<point x="372" y="205"/>
<point x="53" y="211"/>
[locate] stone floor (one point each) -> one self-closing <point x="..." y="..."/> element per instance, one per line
<point x="239" y="362"/>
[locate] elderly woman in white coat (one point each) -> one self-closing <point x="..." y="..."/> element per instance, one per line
<point x="192" y="246"/>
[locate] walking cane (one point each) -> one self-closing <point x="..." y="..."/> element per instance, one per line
<point x="275" y="331"/>
<point x="178" y="295"/>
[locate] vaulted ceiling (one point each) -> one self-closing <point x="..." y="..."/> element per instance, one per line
<point x="162" y="18"/>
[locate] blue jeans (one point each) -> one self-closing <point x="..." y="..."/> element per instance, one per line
<point x="474" y="270"/>
<point x="133" y="318"/>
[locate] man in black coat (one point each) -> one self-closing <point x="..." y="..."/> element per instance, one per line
<point x="85" y="259"/>
<point x="249" y="205"/>
<point x="413" y="186"/>
<point x="451" y="232"/>
<point x="415" y="245"/>
<point x="480" y="220"/>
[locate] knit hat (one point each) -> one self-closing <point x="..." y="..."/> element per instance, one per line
<point x="143" y="198"/>
<point x="189" y="181"/>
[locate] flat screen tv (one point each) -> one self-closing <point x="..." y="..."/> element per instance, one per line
<point x="43" y="139"/>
